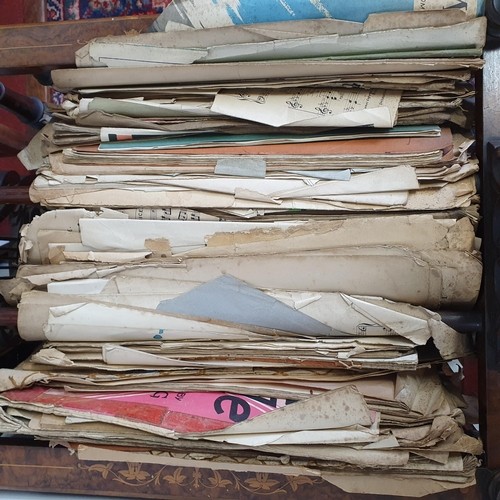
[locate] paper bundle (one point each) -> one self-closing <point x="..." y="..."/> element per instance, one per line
<point x="339" y="431"/>
<point x="257" y="233"/>
<point x="284" y="125"/>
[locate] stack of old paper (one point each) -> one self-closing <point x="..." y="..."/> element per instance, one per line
<point x="290" y="122"/>
<point x="155" y="336"/>
<point x="421" y="173"/>
<point x="181" y="14"/>
<point x="256" y="233"/>
<point x="401" y="427"/>
<point x="221" y="293"/>
<point x="423" y="259"/>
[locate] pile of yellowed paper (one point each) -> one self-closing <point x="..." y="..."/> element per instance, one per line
<point x="253" y="233"/>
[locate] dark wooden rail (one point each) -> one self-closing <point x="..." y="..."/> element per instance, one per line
<point x="36" y="48"/>
<point x="14" y="195"/>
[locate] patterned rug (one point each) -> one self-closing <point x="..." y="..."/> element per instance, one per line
<point x="59" y="10"/>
